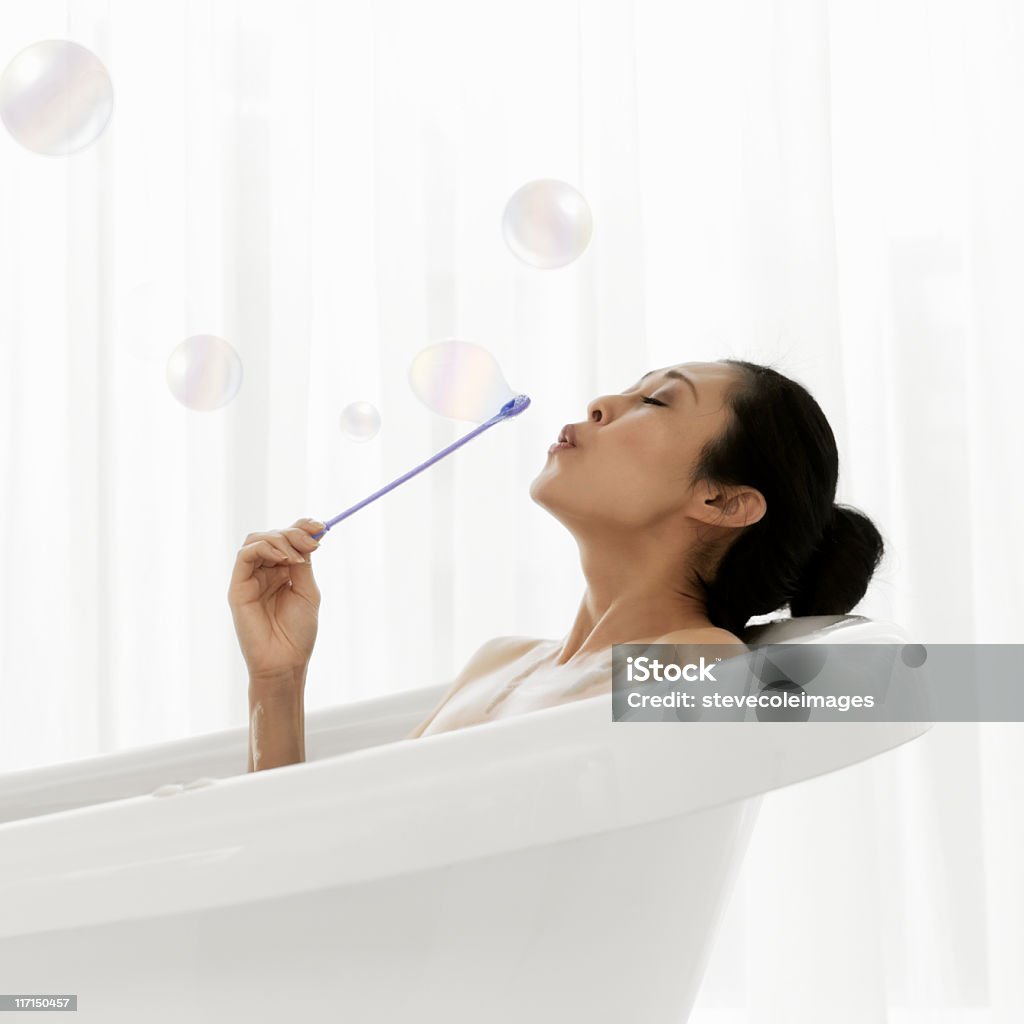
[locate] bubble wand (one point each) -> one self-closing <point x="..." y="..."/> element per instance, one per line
<point x="511" y="408"/>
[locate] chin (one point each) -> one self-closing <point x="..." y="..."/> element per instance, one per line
<point x="536" y="488"/>
<point x="541" y="492"/>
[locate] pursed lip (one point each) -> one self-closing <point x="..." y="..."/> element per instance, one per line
<point x="569" y="434"/>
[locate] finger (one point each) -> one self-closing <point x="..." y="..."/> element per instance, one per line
<point x="301" y="539"/>
<point x="315" y="527"/>
<point x="292" y="556"/>
<point x="274" y="536"/>
<point x="280" y="540"/>
<point x="252" y="556"/>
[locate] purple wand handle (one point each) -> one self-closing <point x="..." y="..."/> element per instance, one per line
<point x="511" y="408"/>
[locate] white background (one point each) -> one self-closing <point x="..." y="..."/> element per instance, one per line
<point x="834" y="188"/>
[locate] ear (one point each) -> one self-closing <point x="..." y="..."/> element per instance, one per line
<point x="731" y="507"/>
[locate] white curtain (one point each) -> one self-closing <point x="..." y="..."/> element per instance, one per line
<point x="831" y="187"/>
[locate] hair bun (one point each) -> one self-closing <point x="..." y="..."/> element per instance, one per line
<point x="838" y="571"/>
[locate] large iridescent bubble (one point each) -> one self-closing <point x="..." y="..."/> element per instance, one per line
<point x="55" y="97"/>
<point x="547" y="223"/>
<point x="204" y="372"/>
<point x="459" y="379"/>
<point x="360" y="421"/>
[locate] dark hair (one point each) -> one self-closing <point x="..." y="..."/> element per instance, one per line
<point x="805" y="551"/>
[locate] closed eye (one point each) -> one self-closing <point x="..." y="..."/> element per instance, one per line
<point x="652" y="401"/>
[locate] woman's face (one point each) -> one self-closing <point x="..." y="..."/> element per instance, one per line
<point x="634" y="453"/>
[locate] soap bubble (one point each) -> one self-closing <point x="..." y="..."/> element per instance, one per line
<point x="547" y="223"/>
<point x="360" y="421"/>
<point x="204" y="372"/>
<point x="55" y="97"/>
<point x="459" y="379"/>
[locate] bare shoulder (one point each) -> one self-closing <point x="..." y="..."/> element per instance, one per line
<point x="492" y="654"/>
<point x="498" y="650"/>
<point x="517" y="642"/>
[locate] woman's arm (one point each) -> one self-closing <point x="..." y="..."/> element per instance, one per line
<point x="275" y="604"/>
<point x="277" y="726"/>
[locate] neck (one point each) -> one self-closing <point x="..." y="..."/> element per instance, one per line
<point x="635" y="592"/>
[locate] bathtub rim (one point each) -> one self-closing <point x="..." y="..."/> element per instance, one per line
<point x="400" y="808"/>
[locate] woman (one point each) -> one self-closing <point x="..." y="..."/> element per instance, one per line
<point x="701" y="496"/>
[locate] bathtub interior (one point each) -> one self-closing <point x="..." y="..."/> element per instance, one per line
<point x="330" y="733"/>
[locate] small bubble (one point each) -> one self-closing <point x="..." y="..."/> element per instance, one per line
<point x="204" y="372"/>
<point x="360" y="421"/>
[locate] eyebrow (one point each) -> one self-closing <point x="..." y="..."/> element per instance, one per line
<point x="677" y="374"/>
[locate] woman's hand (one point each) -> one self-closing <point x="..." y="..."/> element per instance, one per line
<point x="275" y="602"/>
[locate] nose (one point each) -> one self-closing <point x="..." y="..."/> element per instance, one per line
<point x="601" y="408"/>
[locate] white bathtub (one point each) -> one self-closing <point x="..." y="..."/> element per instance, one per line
<point x="551" y="867"/>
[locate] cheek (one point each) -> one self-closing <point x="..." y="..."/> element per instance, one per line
<point x="633" y="466"/>
<point x="655" y="465"/>
<point x="644" y="451"/>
